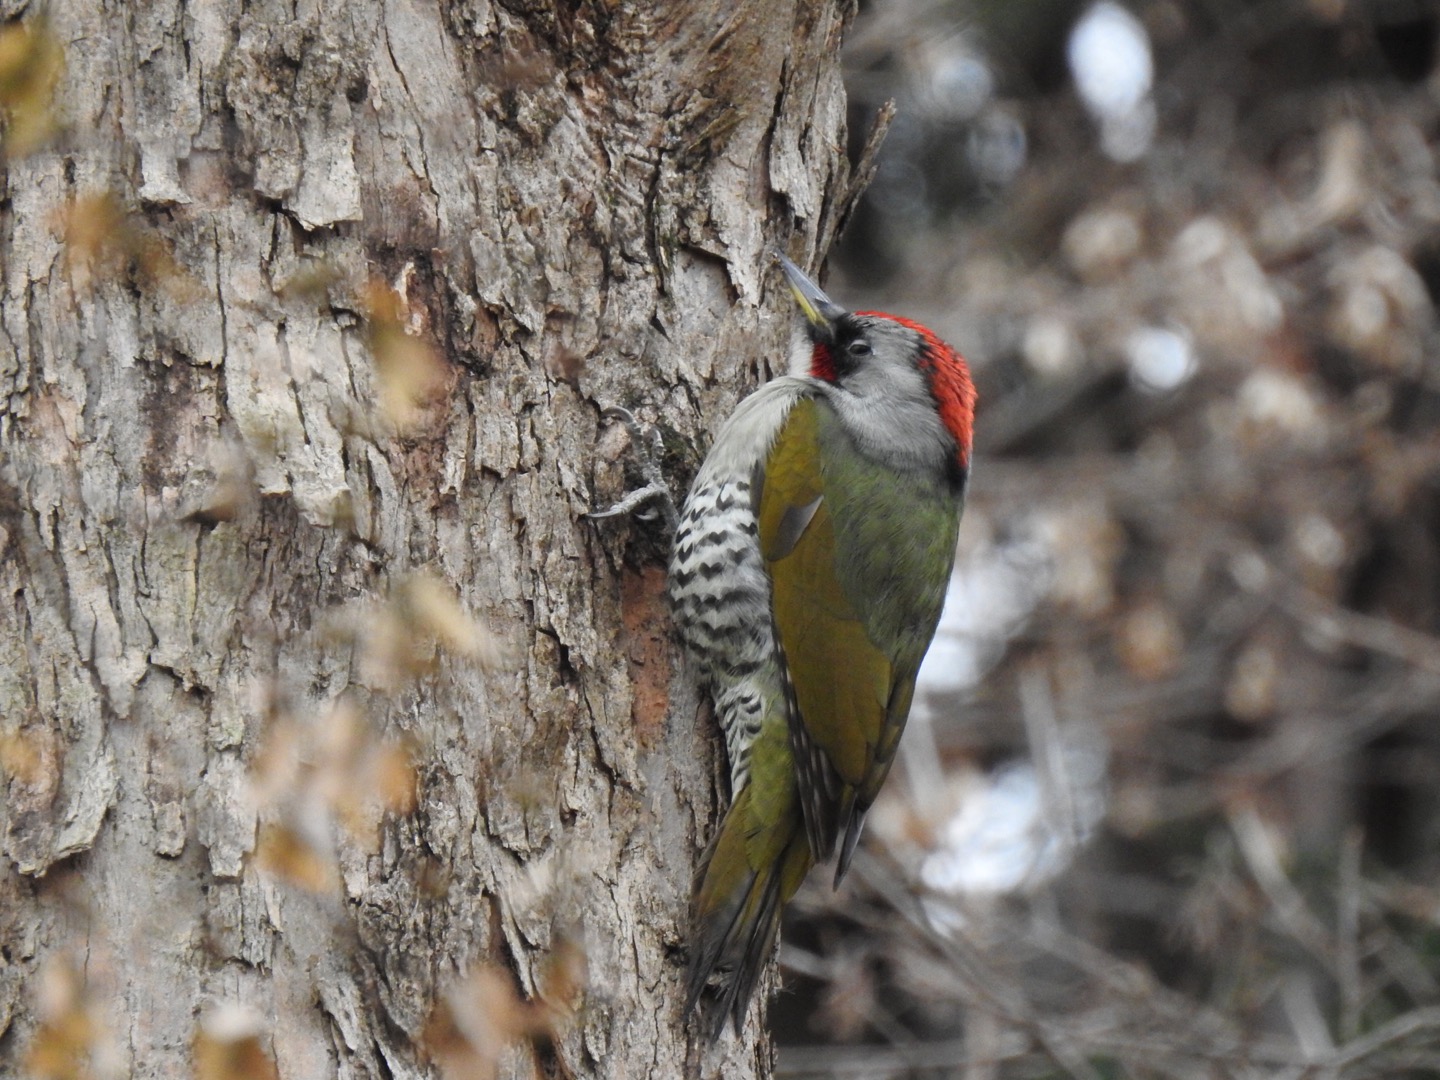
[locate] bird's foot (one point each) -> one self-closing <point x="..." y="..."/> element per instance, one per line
<point x="654" y="496"/>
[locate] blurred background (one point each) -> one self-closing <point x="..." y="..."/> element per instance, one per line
<point x="1170" y="803"/>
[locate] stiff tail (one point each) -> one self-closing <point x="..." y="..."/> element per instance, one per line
<point x="753" y="867"/>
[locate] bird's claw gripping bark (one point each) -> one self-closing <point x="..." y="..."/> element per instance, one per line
<point x="655" y="494"/>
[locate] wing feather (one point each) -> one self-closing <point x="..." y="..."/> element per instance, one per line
<point x="858" y="557"/>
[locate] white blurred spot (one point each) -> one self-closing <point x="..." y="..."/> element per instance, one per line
<point x="1109" y="54"/>
<point x="1110" y="58"/>
<point x="231" y="1021"/>
<point x="1203" y="239"/>
<point x="1160" y="359"/>
<point x="1101" y="240"/>
<point x="990" y="596"/>
<point x="1279" y="400"/>
<point x="1126" y="137"/>
<point x="1013" y="830"/>
<point x="1250" y="571"/>
<point x="1049" y="345"/>
<point x="1319" y="542"/>
<point x="957" y="84"/>
<point x="1363" y="313"/>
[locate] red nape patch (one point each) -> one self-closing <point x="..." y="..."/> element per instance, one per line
<point x="822" y="363"/>
<point x="950" y="382"/>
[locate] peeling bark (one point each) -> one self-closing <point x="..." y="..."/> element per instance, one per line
<point x="201" y="516"/>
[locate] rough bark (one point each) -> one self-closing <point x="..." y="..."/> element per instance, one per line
<point x="205" y="521"/>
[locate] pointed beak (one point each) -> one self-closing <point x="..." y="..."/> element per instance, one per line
<point x="819" y="310"/>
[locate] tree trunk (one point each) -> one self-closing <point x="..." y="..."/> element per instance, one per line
<point x="247" y="515"/>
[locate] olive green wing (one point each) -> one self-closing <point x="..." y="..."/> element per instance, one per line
<point x="858" y="556"/>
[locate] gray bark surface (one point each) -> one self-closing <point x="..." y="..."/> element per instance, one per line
<point x="204" y="521"/>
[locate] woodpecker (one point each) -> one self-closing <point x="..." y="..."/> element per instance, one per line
<point x="807" y="576"/>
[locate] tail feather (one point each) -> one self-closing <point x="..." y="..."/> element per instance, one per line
<point x="753" y="867"/>
<point x="854" y="815"/>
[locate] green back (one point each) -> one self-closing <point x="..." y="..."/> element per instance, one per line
<point x="859" y="556"/>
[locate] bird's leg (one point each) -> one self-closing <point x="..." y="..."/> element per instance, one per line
<point x="646" y="447"/>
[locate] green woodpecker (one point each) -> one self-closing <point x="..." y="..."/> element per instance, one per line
<point x="809" y="568"/>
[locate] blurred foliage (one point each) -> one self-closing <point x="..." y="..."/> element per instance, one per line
<point x="411" y="371"/>
<point x="481" y="1021"/>
<point x="105" y="242"/>
<point x="1210" y="402"/>
<point x="335" y="777"/>
<point x="230" y="1045"/>
<point x="31" y="63"/>
<point x="71" y="1042"/>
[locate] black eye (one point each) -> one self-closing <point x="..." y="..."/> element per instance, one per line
<point x="858" y="347"/>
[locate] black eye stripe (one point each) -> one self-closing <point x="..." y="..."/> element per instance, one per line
<point x="852" y="346"/>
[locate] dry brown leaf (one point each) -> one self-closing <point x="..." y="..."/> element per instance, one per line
<point x="1150" y="641"/>
<point x="234" y="488"/>
<point x="102" y="237"/>
<point x="436" y="610"/>
<point x="276" y="768"/>
<point x="391" y="653"/>
<point x="409" y="368"/>
<point x="391" y="775"/>
<point x="31" y="63"/>
<point x="284" y="853"/>
<point x="563" y="976"/>
<point x="1252" y="689"/>
<point x="95" y="228"/>
<point x="228" y="1047"/>
<point x="312" y="281"/>
<point x="69" y="1038"/>
<point x="473" y="1024"/>
<point x="399" y="640"/>
<point x="338" y="767"/>
<point x="23" y="755"/>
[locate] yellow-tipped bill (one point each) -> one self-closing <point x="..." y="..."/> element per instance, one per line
<point x="819" y="310"/>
